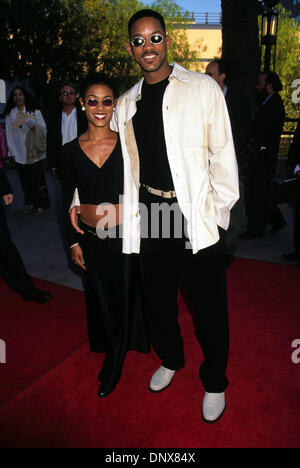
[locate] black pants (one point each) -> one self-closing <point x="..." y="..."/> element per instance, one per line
<point x="12" y="268"/>
<point x="165" y="262"/>
<point x="260" y="208"/>
<point x="33" y="182"/>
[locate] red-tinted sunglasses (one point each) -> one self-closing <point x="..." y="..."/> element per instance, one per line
<point x="92" y="102"/>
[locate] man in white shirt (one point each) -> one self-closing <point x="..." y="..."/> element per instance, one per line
<point x="65" y="125"/>
<point x="178" y="157"/>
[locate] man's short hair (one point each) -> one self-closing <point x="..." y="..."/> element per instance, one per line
<point x="222" y="64"/>
<point x="66" y="83"/>
<point x="146" y="14"/>
<point x="273" y="79"/>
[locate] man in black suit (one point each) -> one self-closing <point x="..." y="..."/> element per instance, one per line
<point x="294" y="160"/>
<point x="12" y="268"/>
<point x="63" y="125"/>
<point x="240" y="118"/>
<point x="266" y="134"/>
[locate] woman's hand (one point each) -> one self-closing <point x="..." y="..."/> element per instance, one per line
<point x="8" y="199"/>
<point x="77" y="256"/>
<point x="74" y="213"/>
<point x="30" y="123"/>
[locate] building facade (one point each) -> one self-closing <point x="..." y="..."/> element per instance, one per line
<point x="204" y="34"/>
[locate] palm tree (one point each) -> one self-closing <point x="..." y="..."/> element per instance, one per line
<point x="241" y="45"/>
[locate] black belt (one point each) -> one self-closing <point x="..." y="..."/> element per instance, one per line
<point x="102" y="234"/>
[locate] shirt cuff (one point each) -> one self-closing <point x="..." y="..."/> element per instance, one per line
<point x="74" y="245"/>
<point x="76" y="200"/>
<point x="297" y="168"/>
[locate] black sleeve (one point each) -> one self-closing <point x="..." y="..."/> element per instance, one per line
<point x="5" y="187"/>
<point x="68" y="185"/>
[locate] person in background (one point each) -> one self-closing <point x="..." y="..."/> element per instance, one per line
<point x="294" y="159"/>
<point x="3" y="149"/>
<point x="63" y="124"/>
<point x="23" y="120"/>
<point x="12" y="268"/>
<point x="240" y="120"/>
<point x="265" y="139"/>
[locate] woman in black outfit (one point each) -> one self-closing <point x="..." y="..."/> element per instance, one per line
<point x="94" y="164"/>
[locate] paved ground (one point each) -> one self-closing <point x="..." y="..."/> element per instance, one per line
<point x="40" y="242"/>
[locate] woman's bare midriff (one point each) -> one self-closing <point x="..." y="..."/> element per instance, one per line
<point x="103" y="216"/>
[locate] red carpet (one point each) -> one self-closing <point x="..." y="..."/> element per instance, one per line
<point x="38" y="336"/>
<point x="61" y="408"/>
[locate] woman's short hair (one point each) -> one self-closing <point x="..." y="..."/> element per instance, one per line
<point x="97" y="79"/>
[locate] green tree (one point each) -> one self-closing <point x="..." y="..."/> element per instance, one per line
<point x="54" y="40"/>
<point x="288" y="59"/>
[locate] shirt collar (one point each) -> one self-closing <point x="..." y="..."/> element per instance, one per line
<point x="69" y="115"/>
<point x="179" y="73"/>
<point x="266" y="100"/>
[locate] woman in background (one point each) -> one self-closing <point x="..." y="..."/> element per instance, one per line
<point x="3" y="149"/>
<point x="21" y="117"/>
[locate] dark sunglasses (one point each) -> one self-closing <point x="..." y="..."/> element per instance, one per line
<point x="108" y="102"/>
<point x="65" y="93"/>
<point x="140" y="41"/>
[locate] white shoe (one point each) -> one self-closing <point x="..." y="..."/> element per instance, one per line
<point x="161" y="379"/>
<point x="213" y="407"/>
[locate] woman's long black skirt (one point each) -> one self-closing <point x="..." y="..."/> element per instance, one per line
<point x="116" y="317"/>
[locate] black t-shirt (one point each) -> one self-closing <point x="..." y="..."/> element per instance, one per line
<point x="149" y="132"/>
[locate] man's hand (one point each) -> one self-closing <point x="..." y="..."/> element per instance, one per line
<point x="8" y="199"/>
<point x="74" y="213"/>
<point x="77" y="256"/>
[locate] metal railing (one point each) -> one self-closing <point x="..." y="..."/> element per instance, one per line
<point x="204" y="18"/>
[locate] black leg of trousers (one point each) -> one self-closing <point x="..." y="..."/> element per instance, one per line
<point x="161" y="273"/>
<point x="204" y="278"/>
<point x="12" y="268"/>
<point x="105" y="305"/>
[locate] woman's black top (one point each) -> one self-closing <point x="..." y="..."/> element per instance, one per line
<point x="95" y="185"/>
